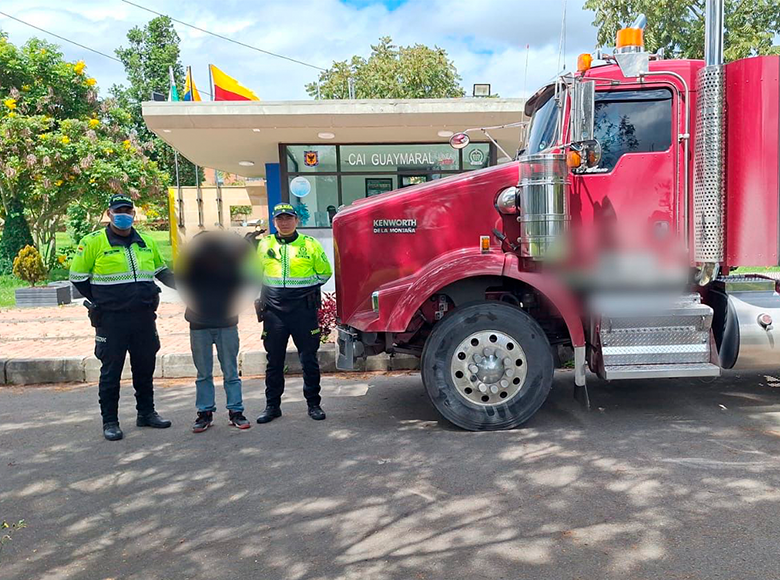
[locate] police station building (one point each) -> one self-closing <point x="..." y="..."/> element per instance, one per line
<point x="320" y="155"/>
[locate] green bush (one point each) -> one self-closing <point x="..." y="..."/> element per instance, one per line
<point x="240" y="210"/>
<point x="28" y="266"/>
<point x="16" y="235"/>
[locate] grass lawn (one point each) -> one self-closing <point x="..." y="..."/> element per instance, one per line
<point x="163" y="239"/>
<point x="758" y="269"/>
<point x="9" y="283"/>
<point x="7" y="286"/>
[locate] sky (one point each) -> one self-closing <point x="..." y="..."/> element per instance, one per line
<point x="486" y="39"/>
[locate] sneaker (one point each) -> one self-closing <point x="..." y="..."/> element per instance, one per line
<point x="203" y="422"/>
<point x="237" y="419"/>
<point x="316" y="413"/>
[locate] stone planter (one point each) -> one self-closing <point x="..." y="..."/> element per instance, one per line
<point x="74" y="292"/>
<point x="42" y="296"/>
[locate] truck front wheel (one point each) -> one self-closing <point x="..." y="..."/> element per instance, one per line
<point x="487" y="366"/>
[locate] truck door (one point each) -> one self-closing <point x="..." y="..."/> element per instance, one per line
<point x="631" y="196"/>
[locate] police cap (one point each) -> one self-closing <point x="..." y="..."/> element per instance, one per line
<point x="284" y="208"/>
<point x="120" y="200"/>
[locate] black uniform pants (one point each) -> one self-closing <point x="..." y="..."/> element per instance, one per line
<point x="120" y="333"/>
<point x="301" y="323"/>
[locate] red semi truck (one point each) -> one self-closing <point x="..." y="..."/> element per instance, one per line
<point x="643" y="184"/>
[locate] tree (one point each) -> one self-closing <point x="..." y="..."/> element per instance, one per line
<point x="47" y="164"/>
<point x="34" y="80"/>
<point x="152" y="51"/>
<point x="59" y="144"/>
<point x="677" y="26"/>
<point x="391" y="72"/>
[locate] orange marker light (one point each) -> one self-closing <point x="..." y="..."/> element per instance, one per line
<point x="484" y="244"/>
<point x="573" y="159"/>
<point x="630" y="37"/>
<point x="584" y="61"/>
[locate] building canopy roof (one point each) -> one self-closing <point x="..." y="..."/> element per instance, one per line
<point x="222" y="134"/>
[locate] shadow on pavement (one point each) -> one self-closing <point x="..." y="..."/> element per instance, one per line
<point x="673" y="479"/>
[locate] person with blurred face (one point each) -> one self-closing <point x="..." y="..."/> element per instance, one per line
<point x="294" y="268"/>
<point x="115" y="269"/>
<point x="211" y="276"/>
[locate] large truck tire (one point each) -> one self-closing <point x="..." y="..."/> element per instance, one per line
<point x="487" y="366"/>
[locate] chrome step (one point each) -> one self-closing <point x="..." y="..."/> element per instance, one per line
<point x="652" y="336"/>
<point x="668" y="371"/>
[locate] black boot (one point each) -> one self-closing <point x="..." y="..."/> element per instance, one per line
<point x="112" y="432"/>
<point x="271" y="412"/>
<point x="316" y="413"/>
<point x="152" y="420"/>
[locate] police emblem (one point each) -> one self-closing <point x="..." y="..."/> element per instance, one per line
<point x="311" y="158"/>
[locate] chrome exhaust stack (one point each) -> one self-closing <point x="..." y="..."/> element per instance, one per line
<point x="709" y="178"/>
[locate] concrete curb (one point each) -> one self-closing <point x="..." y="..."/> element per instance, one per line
<point x="28" y="371"/>
<point x="24" y="371"/>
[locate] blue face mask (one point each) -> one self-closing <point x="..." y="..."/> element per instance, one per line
<point x="122" y="221"/>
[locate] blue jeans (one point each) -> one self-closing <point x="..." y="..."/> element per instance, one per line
<point x="226" y="340"/>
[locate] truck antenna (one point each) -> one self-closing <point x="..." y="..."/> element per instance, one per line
<point x="562" y="42"/>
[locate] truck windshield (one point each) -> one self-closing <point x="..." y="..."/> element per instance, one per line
<point x="543" y="127"/>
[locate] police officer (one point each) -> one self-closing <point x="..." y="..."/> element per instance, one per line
<point x="115" y="268"/>
<point x="294" y="268"/>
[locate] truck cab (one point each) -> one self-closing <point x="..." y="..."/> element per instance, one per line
<point x="642" y="184"/>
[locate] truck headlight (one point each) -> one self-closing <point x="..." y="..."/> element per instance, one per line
<point x="506" y="202"/>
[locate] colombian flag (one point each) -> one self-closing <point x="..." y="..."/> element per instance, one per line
<point x="190" y="92"/>
<point x="228" y="89"/>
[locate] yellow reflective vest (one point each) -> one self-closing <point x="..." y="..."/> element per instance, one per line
<point x="297" y="264"/>
<point x="121" y="277"/>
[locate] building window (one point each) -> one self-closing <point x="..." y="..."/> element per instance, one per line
<point x="315" y="198"/>
<point x="318" y="179"/>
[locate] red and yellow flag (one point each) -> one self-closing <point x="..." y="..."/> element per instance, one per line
<point x="229" y="89"/>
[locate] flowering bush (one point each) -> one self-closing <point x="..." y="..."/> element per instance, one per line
<point x="59" y="143"/>
<point x="327" y="316"/>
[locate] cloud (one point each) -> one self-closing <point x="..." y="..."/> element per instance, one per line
<point x="486" y="39"/>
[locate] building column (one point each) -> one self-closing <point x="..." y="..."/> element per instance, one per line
<point x="273" y="186"/>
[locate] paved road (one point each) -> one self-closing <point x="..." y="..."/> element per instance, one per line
<point x="670" y="480"/>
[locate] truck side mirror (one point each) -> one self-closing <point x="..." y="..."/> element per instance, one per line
<point x="459" y="141"/>
<point x="583" y="155"/>
<point x="583" y="110"/>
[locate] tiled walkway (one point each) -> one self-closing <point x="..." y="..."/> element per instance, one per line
<point x="65" y="331"/>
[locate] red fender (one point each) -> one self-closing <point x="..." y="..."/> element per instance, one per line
<point x="401" y="300"/>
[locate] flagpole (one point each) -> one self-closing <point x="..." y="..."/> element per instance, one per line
<point x="179" y="199"/>
<point x="211" y="86"/>
<point x="199" y="197"/>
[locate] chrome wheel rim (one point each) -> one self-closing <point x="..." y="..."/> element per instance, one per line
<point x="489" y="368"/>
